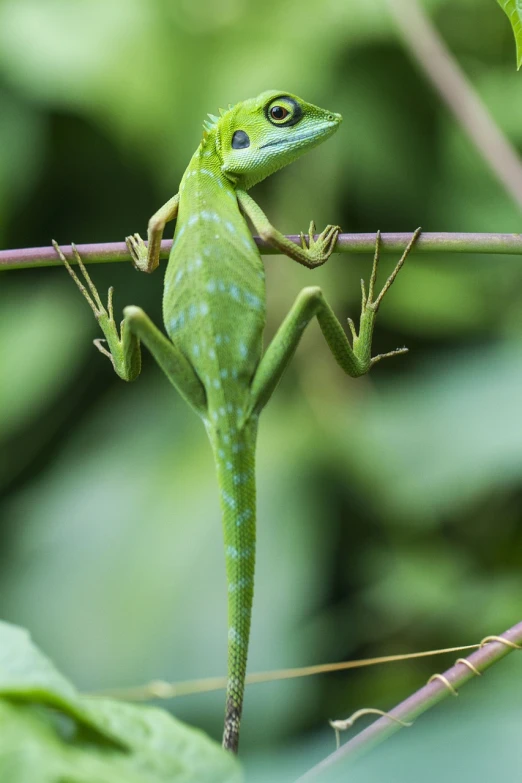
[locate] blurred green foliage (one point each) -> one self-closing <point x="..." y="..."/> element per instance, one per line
<point x="389" y="507"/>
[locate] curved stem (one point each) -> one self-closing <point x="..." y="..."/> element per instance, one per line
<point x="434" y="691"/>
<point x="434" y="242"/>
<point x="456" y="90"/>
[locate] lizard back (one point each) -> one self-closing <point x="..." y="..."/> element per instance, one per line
<point x="214" y="295"/>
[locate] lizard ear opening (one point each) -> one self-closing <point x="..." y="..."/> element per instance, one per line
<point x="240" y="140"/>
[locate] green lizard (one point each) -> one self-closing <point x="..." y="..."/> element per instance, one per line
<point x="214" y="314"/>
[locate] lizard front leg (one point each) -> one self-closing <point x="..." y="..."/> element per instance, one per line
<point x="144" y="258"/>
<point x="123" y="347"/>
<point x="355" y="359"/>
<point x="318" y="251"/>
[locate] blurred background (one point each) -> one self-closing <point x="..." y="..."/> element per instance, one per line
<point x="389" y="507"/>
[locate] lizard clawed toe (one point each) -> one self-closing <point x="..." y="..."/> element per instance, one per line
<point x="138" y="251"/>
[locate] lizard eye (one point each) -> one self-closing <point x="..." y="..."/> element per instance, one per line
<point x="279" y="113"/>
<point x="283" y="111"/>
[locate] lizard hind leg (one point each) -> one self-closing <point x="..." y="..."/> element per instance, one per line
<point x="123" y="348"/>
<point x="355" y="358"/>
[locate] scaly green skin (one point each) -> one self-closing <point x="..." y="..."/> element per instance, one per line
<point x="214" y="314"/>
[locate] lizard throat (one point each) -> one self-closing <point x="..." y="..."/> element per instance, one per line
<point x="299" y="137"/>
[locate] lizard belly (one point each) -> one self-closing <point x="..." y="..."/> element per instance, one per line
<point x="214" y="304"/>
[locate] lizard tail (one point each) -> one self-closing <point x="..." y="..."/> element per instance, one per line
<point x="235" y="463"/>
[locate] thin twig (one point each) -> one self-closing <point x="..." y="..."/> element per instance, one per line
<point x="436" y="242"/>
<point x="437" y="689"/>
<point x="159" y="689"/>
<point x="452" y="84"/>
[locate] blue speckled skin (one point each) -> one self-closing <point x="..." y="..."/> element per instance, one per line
<point x="214" y="314"/>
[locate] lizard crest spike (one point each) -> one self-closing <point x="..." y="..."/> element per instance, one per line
<point x="214" y="315"/>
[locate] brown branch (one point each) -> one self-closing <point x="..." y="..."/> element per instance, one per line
<point x="436" y="690"/>
<point x="435" y="242"/>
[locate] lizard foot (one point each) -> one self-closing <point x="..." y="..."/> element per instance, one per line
<point x="127" y="368"/>
<point x="319" y="250"/>
<point x="138" y="251"/>
<point x="370" y="303"/>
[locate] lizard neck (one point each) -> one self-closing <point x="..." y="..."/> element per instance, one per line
<point x="206" y="159"/>
<point x="205" y="189"/>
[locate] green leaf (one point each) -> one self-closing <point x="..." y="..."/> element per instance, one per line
<point x="51" y="733"/>
<point x="26" y="674"/>
<point x="513" y="10"/>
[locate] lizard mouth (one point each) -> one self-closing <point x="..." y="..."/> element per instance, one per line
<point x="300" y="136"/>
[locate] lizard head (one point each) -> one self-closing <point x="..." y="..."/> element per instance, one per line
<point x="261" y="135"/>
